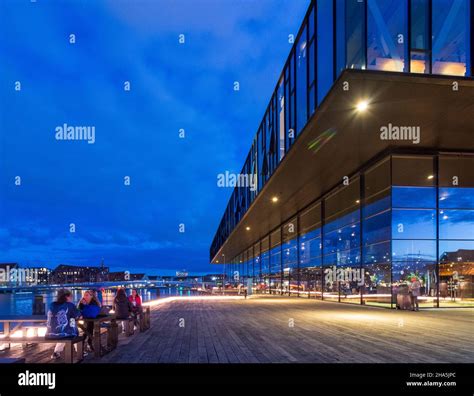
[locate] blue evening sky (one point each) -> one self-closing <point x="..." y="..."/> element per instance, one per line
<point x="173" y="86"/>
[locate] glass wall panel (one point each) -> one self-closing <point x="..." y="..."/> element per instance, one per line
<point x="250" y="268"/>
<point x="387" y="33"/>
<point x="290" y="110"/>
<point x="456" y="197"/>
<point x="281" y="119"/>
<point x="341" y="245"/>
<point x="414" y="197"/>
<point x="290" y="257"/>
<point x="340" y="21"/>
<point x="456" y="272"/>
<point x="413" y="223"/>
<point x="310" y="250"/>
<point x="257" y="269"/>
<point x="275" y="263"/>
<point x="325" y="48"/>
<point x="456" y="230"/>
<point x="420" y="40"/>
<point x="355" y="34"/>
<point x="265" y="264"/>
<point x="457" y="171"/>
<point x="451" y="37"/>
<point x="413" y="171"/>
<point x="301" y="82"/>
<point x="376" y="235"/>
<point x="414" y="247"/>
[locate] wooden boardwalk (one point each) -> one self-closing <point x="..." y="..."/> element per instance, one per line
<point x="290" y="330"/>
<point x="259" y="330"/>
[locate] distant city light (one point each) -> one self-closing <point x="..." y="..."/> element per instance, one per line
<point x="275" y="199"/>
<point x="247" y="228"/>
<point x="430" y="177"/>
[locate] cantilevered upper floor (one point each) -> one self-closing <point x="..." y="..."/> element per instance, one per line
<point x="399" y="47"/>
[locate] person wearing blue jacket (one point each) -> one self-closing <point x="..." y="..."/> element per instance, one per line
<point x="62" y="320"/>
<point x="90" y="309"/>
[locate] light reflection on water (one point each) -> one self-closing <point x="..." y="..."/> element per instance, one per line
<point x="22" y="303"/>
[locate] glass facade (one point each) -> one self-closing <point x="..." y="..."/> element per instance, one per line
<point x="403" y="219"/>
<point x="417" y="36"/>
<point x="399" y="220"/>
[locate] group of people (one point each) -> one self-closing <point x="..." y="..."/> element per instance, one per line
<point x="63" y="314"/>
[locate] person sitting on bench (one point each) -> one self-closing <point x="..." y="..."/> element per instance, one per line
<point x="90" y="308"/>
<point x="62" y="320"/>
<point x="122" y="306"/>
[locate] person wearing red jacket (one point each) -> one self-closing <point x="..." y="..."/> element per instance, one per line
<point x="136" y="302"/>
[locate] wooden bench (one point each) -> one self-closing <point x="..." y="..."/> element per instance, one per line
<point x="144" y="319"/>
<point x="107" y="322"/>
<point x="68" y="349"/>
<point x="127" y="326"/>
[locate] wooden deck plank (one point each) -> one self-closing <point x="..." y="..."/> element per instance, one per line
<point x="258" y="330"/>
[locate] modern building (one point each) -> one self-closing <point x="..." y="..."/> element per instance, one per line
<point x="363" y="161"/>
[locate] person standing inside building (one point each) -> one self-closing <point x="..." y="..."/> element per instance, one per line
<point x="415" y="286"/>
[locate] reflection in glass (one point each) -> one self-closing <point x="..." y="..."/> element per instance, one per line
<point x="413" y="197"/>
<point x="450" y="37"/>
<point x="413" y="223"/>
<point x="386" y="35"/>
<point x="325" y="48"/>
<point x="301" y="82"/>
<point x="456" y="197"/>
<point x="456" y="272"/>
<point x="420" y="41"/>
<point x="355" y="34"/>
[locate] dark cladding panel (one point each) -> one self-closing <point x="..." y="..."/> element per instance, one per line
<point x="310" y="218"/>
<point x="413" y="171"/>
<point x="275" y="238"/>
<point x="290" y="230"/>
<point x="343" y="201"/>
<point x="265" y="246"/>
<point x="456" y="171"/>
<point x="377" y="178"/>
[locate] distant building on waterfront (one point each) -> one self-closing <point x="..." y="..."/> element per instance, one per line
<point x="116" y="276"/>
<point x="136" y="277"/>
<point x="119" y="276"/>
<point x="64" y="273"/>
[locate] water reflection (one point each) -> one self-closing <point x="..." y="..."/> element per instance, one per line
<point x="22" y="303"/>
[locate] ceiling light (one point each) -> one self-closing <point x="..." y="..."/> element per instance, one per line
<point x="362" y="106"/>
